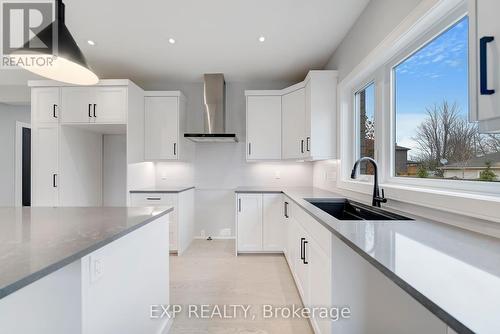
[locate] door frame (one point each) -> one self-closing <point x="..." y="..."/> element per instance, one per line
<point x="18" y="172"/>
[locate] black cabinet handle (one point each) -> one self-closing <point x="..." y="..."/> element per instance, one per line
<point x="153" y="198"/>
<point x="308" y="144"/>
<point x="286" y="210"/>
<point x="305" y="255"/>
<point x="302" y="253"/>
<point x="249" y="148"/>
<point x="483" y="64"/>
<point x="54" y="180"/>
<point x="54" y="111"/>
<point x="90" y="113"/>
<point x="302" y="146"/>
<point x="175" y="148"/>
<point x="94" y="111"/>
<point x="239" y="204"/>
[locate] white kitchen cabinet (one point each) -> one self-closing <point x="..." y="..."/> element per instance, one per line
<point x="293" y="124"/>
<point x="165" y="119"/>
<point x="161" y="127"/>
<point x="273" y="223"/>
<point x="181" y="219"/>
<point x="45" y="104"/>
<point x="308" y="120"/>
<point x="249" y="220"/>
<point x="484" y="85"/>
<point x="263" y="127"/>
<point x="45" y="166"/>
<point x="320" y="282"/>
<point x="100" y="104"/>
<point x="110" y="104"/>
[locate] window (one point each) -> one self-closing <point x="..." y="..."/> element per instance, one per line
<point x="365" y="114"/>
<point x="434" y="138"/>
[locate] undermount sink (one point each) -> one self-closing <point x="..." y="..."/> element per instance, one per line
<point x="344" y="209"/>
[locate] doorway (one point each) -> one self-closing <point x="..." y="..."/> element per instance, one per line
<point x="23" y="164"/>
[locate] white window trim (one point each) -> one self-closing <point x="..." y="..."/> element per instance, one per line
<point x="471" y="198"/>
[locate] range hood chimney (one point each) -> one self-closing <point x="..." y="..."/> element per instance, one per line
<point x="214" y="115"/>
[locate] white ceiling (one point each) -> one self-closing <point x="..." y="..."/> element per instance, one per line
<point x="212" y="36"/>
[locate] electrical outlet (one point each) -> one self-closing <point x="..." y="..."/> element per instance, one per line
<point x="277" y="175"/>
<point x="96" y="269"/>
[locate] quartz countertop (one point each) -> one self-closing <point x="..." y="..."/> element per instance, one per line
<point x="454" y="273"/>
<point x="35" y="242"/>
<point x="160" y="190"/>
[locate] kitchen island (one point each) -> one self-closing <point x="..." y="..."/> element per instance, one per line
<point x="83" y="270"/>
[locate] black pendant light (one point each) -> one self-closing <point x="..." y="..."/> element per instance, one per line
<point x="65" y="62"/>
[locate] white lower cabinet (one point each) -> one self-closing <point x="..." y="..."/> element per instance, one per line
<point x="259" y="220"/>
<point x="181" y="228"/>
<point x="270" y="223"/>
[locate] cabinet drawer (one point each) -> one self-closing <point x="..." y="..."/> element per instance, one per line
<point x="152" y="199"/>
<point x="314" y="228"/>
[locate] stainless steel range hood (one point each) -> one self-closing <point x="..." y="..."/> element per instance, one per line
<point x="214" y="115"/>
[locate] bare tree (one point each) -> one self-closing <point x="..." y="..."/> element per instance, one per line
<point x="435" y="133"/>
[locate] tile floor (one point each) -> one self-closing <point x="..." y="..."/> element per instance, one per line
<point x="210" y="273"/>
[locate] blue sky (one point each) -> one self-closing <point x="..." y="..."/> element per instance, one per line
<point x="437" y="72"/>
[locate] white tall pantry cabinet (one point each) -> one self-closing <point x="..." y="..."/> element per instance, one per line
<point x="69" y="125"/>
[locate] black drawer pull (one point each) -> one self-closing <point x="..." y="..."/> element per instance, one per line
<point x="305" y="255"/>
<point x="286" y="210"/>
<point x="302" y="256"/>
<point x="153" y="198"/>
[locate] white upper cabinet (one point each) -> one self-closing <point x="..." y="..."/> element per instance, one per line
<point x="485" y="64"/>
<point x="308" y="120"/>
<point x="293" y="124"/>
<point x="45" y="104"/>
<point x="263" y="127"/>
<point x="110" y="104"/>
<point x="164" y="127"/>
<point x="105" y="104"/>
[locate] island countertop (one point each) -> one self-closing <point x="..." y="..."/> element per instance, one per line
<point x="454" y="273"/>
<point x="35" y="242"/>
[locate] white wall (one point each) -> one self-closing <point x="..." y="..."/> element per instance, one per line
<point x="114" y="170"/>
<point x="8" y="117"/>
<point x="378" y="19"/>
<point x="218" y="168"/>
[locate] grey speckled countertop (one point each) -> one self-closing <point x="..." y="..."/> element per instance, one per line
<point x="164" y="190"/>
<point x="453" y="272"/>
<point x="35" y="242"/>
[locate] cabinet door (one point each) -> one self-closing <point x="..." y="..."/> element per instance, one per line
<point x="110" y="105"/>
<point x="249" y="207"/>
<point x="77" y="104"/>
<point x="273" y="223"/>
<point x="45" y="144"/>
<point x="293" y="119"/>
<point x="302" y="263"/>
<point x="263" y="127"/>
<point x="484" y="25"/>
<point x="161" y="128"/>
<point x="45" y="104"/>
<point x="319" y="283"/>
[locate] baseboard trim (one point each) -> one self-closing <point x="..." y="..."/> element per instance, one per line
<point x="215" y="238"/>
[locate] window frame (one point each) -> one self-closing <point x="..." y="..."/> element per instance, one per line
<point x="426" y="22"/>
<point x="357" y="125"/>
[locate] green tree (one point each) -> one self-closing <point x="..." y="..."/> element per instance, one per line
<point x="487" y="174"/>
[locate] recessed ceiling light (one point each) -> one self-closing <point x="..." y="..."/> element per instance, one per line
<point x="262" y="39"/>
<point x="91" y="42"/>
<point x="171" y="41"/>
